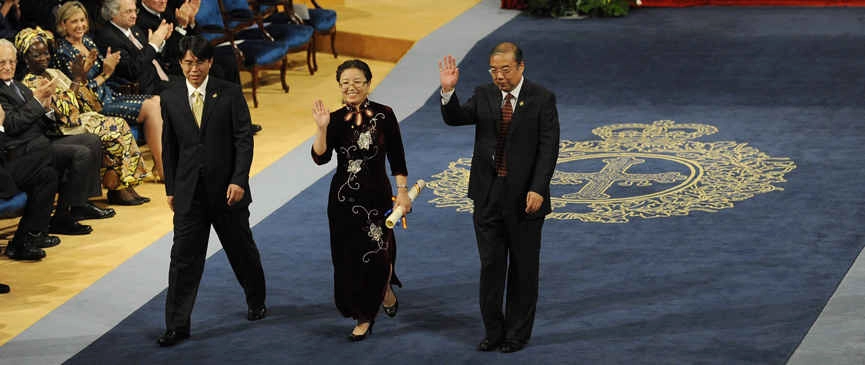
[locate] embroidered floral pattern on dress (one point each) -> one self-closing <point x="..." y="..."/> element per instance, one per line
<point x="354" y="166"/>
<point x="374" y="231"/>
<point x="364" y="140"/>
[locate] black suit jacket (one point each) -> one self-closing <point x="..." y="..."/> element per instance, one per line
<point x="25" y="119"/>
<point x="532" y="144"/>
<point x="136" y="65"/>
<point x="220" y="151"/>
<point x="170" y="56"/>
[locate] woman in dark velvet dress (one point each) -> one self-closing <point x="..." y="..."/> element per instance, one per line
<point x="362" y="134"/>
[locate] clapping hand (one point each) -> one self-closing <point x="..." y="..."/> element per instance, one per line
<point x="161" y="34"/>
<point x="77" y="68"/>
<point x="110" y="62"/>
<point x="449" y="73"/>
<point x="320" y="114"/>
<point x="44" y="92"/>
<point x="90" y="59"/>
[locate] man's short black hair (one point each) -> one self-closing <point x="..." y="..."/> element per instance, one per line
<point x="198" y="45"/>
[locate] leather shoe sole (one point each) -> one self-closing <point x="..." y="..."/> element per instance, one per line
<point x="74" y="229"/>
<point x="511" y="346"/>
<point x="91" y="211"/>
<point x="171" y="338"/>
<point x="256" y="314"/>
<point x="26" y="253"/>
<point x="488" y="345"/>
<point x="46" y="241"/>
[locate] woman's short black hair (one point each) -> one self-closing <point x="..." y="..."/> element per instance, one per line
<point x="358" y="64"/>
<point x="198" y="45"/>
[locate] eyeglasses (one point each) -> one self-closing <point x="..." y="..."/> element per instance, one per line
<point x="190" y="64"/>
<point x="505" y="70"/>
<point x="356" y="83"/>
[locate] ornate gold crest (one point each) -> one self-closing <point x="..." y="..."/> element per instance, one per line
<point x="640" y="170"/>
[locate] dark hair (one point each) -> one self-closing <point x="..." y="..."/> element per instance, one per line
<point x="198" y="45"/>
<point x="508" y="47"/>
<point x="358" y="64"/>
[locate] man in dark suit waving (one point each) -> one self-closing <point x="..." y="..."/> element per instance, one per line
<point x="515" y="153"/>
<point x="207" y="155"/>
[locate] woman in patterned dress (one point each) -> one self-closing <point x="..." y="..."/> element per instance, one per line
<point x="363" y="249"/>
<point x="75" y="107"/>
<point x="74" y="44"/>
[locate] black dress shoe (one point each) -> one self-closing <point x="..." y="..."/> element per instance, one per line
<point x="256" y="314"/>
<point x="4" y="288"/>
<point x="143" y="199"/>
<point x="69" y="227"/>
<point x="511" y="346"/>
<point x="118" y="197"/>
<point x="391" y="311"/>
<point x="91" y="211"/>
<point x="354" y="338"/>
<point x="255" y="128"/>
<point x="43" y="240"/>
<point x="489" y="345"/>
<point x="171" y="338"/>
<point x="24" y="252"/>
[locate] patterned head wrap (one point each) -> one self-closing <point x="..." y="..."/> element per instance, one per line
<point x="29" y="36"/>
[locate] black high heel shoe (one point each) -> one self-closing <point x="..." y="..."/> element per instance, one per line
<point x="391" y="311"/>
<point x="354" y="338"/>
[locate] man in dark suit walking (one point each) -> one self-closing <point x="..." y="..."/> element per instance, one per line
<point x="207" y="156"/>
<point x="515" y="153"/>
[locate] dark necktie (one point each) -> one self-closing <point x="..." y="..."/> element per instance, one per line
<point x="17" y="91"/>
<point x="159" y="71"/>
<point x="501" y="158"/>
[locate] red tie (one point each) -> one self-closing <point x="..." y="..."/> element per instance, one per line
<point x="159" y="71"/>
<point x="501" y="157"/>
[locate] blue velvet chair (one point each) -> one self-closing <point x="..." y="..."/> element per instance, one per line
<point x="14" y="206"/>
<point x="322" y="20"/>
<point x="256" y="46"/>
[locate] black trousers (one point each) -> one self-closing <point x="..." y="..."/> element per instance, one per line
<point x="31" y="168"/>
<point x="509" y="247"/>
<point x="77" y="159"/>
<point x="191" y="233"/>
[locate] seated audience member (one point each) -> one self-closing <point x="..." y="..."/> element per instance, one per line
<point x="153" y="13"/>
<point x="76" y="158"/>
<point x="72" y="26"/>
<point x="10" y="18"/>
<point x="75" y="110"/>
<point x="41" y="12"/>
<point x="139" y="49"/>
<point x="26" y="158"/>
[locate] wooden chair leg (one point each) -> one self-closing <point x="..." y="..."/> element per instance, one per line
<point x="333" y="42"/>
<point x="310" y="55"/>
<point x="255" y="86"/>
<point x="314" y="51"/>
<point x="282" y="68"/>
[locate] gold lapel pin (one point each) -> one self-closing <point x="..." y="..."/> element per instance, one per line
<point x="213" y="96"/>
<point x="522" y="103"/>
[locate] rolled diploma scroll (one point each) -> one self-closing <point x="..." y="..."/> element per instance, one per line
<point x="397" y="211"/>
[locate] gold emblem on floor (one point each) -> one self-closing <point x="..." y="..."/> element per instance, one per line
<point x="639" y="170"/>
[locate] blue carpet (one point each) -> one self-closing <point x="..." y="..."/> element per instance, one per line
<point x="740" y="284"/>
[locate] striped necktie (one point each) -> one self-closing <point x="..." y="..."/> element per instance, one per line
<point x="501" y="157"/>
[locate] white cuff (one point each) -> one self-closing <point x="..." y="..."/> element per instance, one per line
<point x="446" y="96"/>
